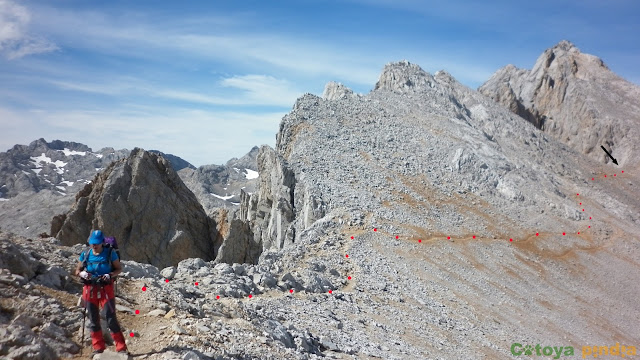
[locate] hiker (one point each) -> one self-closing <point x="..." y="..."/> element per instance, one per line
<point x="97" y="272"/>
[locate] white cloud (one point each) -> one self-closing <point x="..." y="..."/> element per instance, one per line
<point x="15" y="39"/>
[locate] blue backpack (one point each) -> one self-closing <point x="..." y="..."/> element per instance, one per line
<point x="109" y="243"/>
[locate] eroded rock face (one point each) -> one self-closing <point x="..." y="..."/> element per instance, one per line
<point x="335" y="91"/>
<point x="575" y="98"/>
<point x="277" y="213"/>
<point x="403" y="76"/>
<point x="144" y="204"/>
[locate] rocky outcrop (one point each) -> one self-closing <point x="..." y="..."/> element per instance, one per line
<point x="335" y="91"/>
<point x="576" y="99"/>
<point x="144" y="204"/>
<point x="403" y="76"/>
<point x="270" y="211"/>
<point x="276" y="214"/>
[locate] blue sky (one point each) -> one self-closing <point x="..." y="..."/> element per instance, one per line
<point x="208" y="80"/>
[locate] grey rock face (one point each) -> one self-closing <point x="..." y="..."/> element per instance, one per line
<point x="281" y="208"/>
<point x="144" y="204"/>
<point x="403" y="76"/>
<point x="336" y="91"/>
<point x="575" y="98"/>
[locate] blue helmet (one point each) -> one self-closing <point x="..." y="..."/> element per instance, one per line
<point x="96" y="237"/>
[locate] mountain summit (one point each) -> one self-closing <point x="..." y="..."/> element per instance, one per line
<point x="402" y="76"/>
<point x="575" y="98"/>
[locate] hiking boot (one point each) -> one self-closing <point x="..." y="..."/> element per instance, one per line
<point x="96" y="352"/>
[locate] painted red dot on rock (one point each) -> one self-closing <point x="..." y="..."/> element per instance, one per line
<point x="137" y="312"/>
<point x="578" y="194"/>
<point x="291" y="291"/>
<point x="580" y="203"/>
<point x="196" y="284"/>
<point x="132" y="334"/>
<point x="250" y="296"/>
<point x="144" y="288"/>
<point x="347" y="255"/>
<point x="578" y="232"/>
<point x="536" y="234"/>
<point x="564" y="234"/>
<point x="419" y="240"/>
<point x="605" y="176"/>
<point x="582" y="209"/>
<point x="166" y="280"/>
<point x="589" y="226"/>
<point x="623" y="172"/>
<point x="593" y="178"/>
<point x="615" y="174"/>
<point x="448" y="237"/>
<point x="589" y="217"/>
<point x="474" y="236"/>
<point x="510" y="239"/>
<point x="349" y="278"/>
<point x="374" y="229"/>
<point x="352" y="238"/>
<point x="218" y="297"/>
<point x="330" y="291"/>
<point x="397" y="237"/>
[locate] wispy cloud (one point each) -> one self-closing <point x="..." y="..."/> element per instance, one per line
<point x="239" y="90"/>
<point x="257" y="51"/>
<point x="16" y="40"/>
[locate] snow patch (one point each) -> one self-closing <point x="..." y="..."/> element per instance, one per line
<point x="68" y="152"/>
<point x="37" y="171"/>
<point x="38" y="160"/>
<point x="61" y="188"/>
<point x="3" y="199"/>
<point x="235" y="203"/>
<point x="251" y="174"/>
<point x="68" y="183"/>
<point x="99" y="156"/>
<point x="61" y="193"/>
<point x="26" y="173"/>
<point x="222" y="197"/>
<point x="237" y="170"/>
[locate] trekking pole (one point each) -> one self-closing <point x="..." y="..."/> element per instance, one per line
<point x="84" y="318"/>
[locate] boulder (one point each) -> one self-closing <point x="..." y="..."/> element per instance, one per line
<point x="17" y="261"/>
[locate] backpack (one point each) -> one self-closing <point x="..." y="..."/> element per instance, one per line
<point x="109" y="243"/>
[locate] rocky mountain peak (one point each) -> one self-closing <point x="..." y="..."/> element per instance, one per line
<point x="574" y="97"/>
<point x="334" y="91"/>
<point x="143" y="202"/>
<point x="403" y="76"/>
<point x="565" y="59"/>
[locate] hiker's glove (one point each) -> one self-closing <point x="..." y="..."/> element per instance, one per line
<point x="84" y="275"/>
<point x="106" y="277"/>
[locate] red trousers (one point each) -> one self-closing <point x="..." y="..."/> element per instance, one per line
<point x="96" y="297"/>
